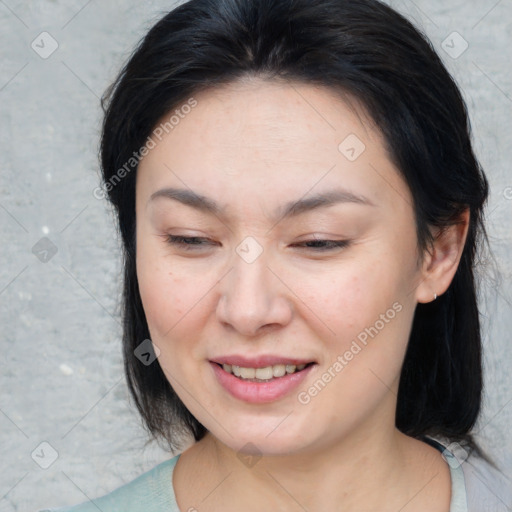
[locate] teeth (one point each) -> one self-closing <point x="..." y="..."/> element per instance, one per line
<point x="264" y="373"/>
<point x="278" y="370"/>
<point x="267" y="373"/>
<point x="248" y="373"/>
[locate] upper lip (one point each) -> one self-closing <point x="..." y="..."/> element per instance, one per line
<point x="261" y="361"/>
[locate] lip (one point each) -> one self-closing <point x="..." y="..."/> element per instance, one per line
<point x="259" y="361"/>
<point x="260" y="392"/>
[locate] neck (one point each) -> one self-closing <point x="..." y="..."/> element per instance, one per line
<point x="368" y="470"/>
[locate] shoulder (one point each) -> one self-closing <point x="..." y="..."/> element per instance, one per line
<point x="150" y="492"/>
<point x="486" y="488"/>
<point x="476" y="484"/>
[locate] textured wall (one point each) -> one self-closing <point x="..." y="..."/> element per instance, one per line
<point x="61" y="377"/>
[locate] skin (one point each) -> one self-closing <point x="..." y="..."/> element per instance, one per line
<point x="254" y="146"/>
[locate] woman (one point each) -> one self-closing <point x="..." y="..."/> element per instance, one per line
<point x="300" y="208"/>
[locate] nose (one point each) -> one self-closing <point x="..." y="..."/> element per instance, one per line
<point x="253" y="298"/>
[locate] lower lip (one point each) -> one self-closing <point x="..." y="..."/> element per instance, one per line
<point x="260" y="392"/>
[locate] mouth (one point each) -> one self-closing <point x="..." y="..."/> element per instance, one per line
<point x="263" y="374"/>
<point x="263" y="380"/>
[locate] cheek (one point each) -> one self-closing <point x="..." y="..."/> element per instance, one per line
<point x="163" y="295"/>
<point x="177" y="302"/>
<point x="361" y="311"/>
<point x="165" y="300"/>
<point x="349" y="297"/>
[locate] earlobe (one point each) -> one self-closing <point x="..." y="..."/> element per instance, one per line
<point x="442" y="260"/>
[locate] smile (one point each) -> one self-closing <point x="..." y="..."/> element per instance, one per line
<point x="260" y="385"/>
<point x="262" y="374"/>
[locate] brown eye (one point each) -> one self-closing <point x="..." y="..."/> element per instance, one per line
<point x="188" y="243"/>
<point x="324" y="245"/>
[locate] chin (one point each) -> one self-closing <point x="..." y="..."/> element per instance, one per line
<point x="263" y="441"/>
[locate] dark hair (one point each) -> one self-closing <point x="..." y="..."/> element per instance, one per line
<point x="360" y="48"/>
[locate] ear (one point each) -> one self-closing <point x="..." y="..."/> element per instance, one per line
<point x="441" y="261"/>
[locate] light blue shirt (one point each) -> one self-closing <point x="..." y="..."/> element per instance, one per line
<point x="153" y="491"/>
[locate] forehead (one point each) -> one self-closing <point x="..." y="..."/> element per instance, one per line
<point x="269" y="140"/>
<point x="275" y="115"/>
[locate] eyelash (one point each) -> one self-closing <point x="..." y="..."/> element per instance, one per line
<point x="186" y="243"/>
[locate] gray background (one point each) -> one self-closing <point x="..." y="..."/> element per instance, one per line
<point x="61" y="375"/>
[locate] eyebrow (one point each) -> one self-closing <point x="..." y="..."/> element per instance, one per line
<point x="291" y="209"/>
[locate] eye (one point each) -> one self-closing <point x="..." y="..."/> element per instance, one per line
<point x="324" y="245"/>
<point x="191" y="243"/>
<point x="188" y="243"/>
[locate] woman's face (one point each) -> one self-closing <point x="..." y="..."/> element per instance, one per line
<point x="254" y="289"/>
